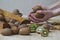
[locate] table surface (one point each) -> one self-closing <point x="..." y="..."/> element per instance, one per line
<point x="53" y="35"/>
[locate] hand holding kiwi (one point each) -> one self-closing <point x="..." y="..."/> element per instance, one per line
<point x="34" y="16"/>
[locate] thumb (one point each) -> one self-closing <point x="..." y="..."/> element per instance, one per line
<point x="41" y="12"/>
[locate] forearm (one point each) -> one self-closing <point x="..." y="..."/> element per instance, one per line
<point x="56" y="12"/>
<point x="54" y="6"/>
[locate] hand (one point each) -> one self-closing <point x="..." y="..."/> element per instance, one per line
<point x="48" y="14"/>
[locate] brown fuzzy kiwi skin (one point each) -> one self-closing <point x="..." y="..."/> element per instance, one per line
<point x="17" y="12"/>
<point x="1" y="17"/>
<point x="6" y="32"/>
<point x="56" y="27"/>
<point x="37" y="7"/>
<point x="1" y="11"/>
<point x="6" y="25"/>
<point x="49" y="27"/>
<point x="24" y="31"/>
<point x="46" y="26"/>
<point x="25" y="21"/>
<point x="37" y="15"/>
<point x="14" y="30"/>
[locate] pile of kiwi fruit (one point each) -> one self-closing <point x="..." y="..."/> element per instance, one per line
<point x="22" y="29"/>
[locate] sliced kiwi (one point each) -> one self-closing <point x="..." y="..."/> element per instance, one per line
<point x="44" y="33"/>
<point x="33" y="27"/>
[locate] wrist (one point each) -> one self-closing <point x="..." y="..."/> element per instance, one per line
<point x="56" y="12"/>
<point x="53" y="13"/>
<point x="54" y="6"/>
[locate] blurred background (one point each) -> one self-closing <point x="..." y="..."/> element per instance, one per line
<point x="25" y="6"/>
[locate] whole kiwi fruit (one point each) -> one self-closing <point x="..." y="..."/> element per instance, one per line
<point x="6" y="25"/>
<point x="17" y="12"/>
<point x="56" y="27"/>
<point x="37" y="15"/>
<point x="26" y="21"/>
<point x="14" y="29"/>
<point x="7" y="19"/>
<point x="6" y="32"/>
<point x="1" y="11"/>
<point x="37" y="7"/>
<point x="16" y="23"/>
<point x="46" y="26"/>
<point x="24" y="31"/>
<point x="1" y="17"/>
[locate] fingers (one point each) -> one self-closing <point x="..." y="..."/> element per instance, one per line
<point x="45" y="18"/>
<point x="42" y="12"/>
<point x="47" y="15"/>
<point x="36" y="19"/>
<point x="32" y="19"/>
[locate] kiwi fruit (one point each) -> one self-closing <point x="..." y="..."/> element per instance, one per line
<point x="7" y="19"/>
<point x="1" y="11"/>
<point x="14" y="30"/>
<point x="47" y="26"/>
<point x="44" y="32"/>
<point x="37" y="7"/>
<point x="24" y="31"/>
<point x="26" y="21"/>
<point x="16" y="12"/>
<point x="33" y="27"/>
<point x="11" y="24"/>
<point x="13" y="21"/>
<point x="56" y="27"/>
<point x="6" y="32"/>
<point x="37" y="15"/>
<point x="1" y="17"/>
<point x="16" y="23"/>
<point x="39" y="29"/>
<point x="6" y="25"/>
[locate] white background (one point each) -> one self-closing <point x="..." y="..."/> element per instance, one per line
<point x="24" y="5"/>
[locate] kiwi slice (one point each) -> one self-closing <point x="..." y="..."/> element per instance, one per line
<point x="33" y="27"/>
<point x="44" y="33"/>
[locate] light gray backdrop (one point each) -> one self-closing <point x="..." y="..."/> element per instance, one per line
<point x="23" y="5"/>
